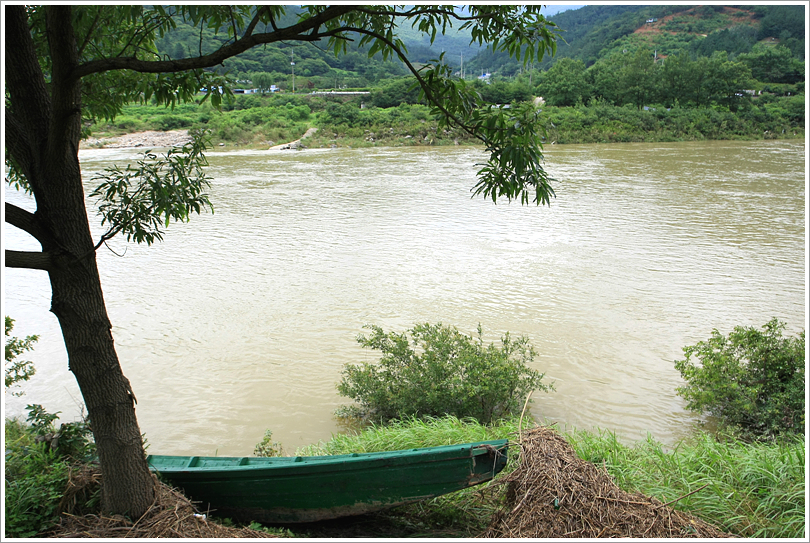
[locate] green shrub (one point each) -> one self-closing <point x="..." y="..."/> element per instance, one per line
<point x="752" y="380"/>
<point x="268" y="447"/>
<point x="38" y="462"/>
<point x="17" y="371"/>
<point x="35" y="482"/>
<point x="173" y="122"/>
<point x="445" y="372"/>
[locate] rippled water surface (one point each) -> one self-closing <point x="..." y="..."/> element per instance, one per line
<point x="241" y="321"/>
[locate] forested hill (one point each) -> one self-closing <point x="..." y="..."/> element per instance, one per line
<point x="592" y="33"/>
<point x="589" y="34"/>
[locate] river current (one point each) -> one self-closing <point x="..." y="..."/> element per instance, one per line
<point x="241" y="320"/>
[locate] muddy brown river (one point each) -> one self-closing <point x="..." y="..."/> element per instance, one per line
<point x="241" y="321"/>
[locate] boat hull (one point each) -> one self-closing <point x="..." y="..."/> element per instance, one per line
<point x="308" y="489"/>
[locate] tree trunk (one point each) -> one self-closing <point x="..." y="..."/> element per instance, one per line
<point x="78" y="303"/>
<point x="43" y="126"/>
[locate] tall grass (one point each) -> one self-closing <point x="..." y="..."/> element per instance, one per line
<point x="749" y="489"/>
<point x="412" y="433"/>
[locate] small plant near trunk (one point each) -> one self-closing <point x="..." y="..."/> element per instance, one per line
<point x="17" y="371"/>
<point x="440" y="371"/>
<point x="39" y="459"/>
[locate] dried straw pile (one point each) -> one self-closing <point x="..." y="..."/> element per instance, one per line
<point x="172" y="515"/>
<point x="554" y="493"/>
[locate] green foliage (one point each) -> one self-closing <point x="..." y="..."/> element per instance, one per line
<point x="748" y="489"/>
<point x="773" y="64"/>
<point x="753" y="380"/>
<point x="17" y="371"/>
<point x="73" y="439"/>
<point x="268" y="447"/>
<point x="514" y="169"/>
<point x="413" y="432"/>
<point x="778" y="20"/>
<point x="445" y="372"/>
<point x="139" y="201"/>
<point x="565" y="83"/>
<point x="734" y="40"/>
<point x="395" y="92"/>
<point x="638" y="80"/>
<point x="601" y="122"/>
<point x="38" y="461"/>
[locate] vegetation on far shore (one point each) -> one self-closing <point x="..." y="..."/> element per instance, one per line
<point x="254" y="121"/>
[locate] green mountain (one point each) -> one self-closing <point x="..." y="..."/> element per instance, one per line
<point x="591" y="33"/>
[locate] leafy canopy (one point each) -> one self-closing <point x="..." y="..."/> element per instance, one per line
<point x="119" y="63"/>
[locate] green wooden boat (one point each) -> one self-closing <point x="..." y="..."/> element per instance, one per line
<point x="312" y="488"/>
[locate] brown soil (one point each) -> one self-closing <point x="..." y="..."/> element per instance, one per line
<point x="740" y="16"/>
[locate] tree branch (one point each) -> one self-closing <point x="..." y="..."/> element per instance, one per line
<point x="422" y="83"/>
<point x="91" y="30"/>
<point x="27" y="222"/>
<point x="32" y="260"/>
<point x="252" y="25"/>
<point x="295" y="31"/>
<point x="17" y="144"/>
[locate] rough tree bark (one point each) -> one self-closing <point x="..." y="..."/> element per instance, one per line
<point x="42" y="134"/>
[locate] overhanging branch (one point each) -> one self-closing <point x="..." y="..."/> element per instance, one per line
<point x="422" y="83"/>
<point x="294" y="32"/>
<point x="33" y="260"/>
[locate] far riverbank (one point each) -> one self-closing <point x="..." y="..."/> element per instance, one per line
<point x="266" y="122"/>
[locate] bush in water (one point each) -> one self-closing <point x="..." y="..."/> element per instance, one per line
<point x="445" y="372"/>
<point x="753" y="380"/>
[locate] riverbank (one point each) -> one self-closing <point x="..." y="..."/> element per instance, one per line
<point x="704" y="488"/>
<point x="148" y="139"/>
<point x="268" y="122"/>
<point x="153" y="139"/>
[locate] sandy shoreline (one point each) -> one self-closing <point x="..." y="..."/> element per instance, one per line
<point x="150" y="138"/>
<point x="154" y="139"/>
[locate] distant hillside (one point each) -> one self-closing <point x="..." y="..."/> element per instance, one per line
<point x="589" y="34"/>
<point x="593" y="32"/>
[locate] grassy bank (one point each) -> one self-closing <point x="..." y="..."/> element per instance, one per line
<point x="749" y="489"/>
<point x="260" y="121"/>
<point x="752" y="490"/>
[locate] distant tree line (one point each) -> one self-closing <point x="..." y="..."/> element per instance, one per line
<point x="640" y="78"/>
